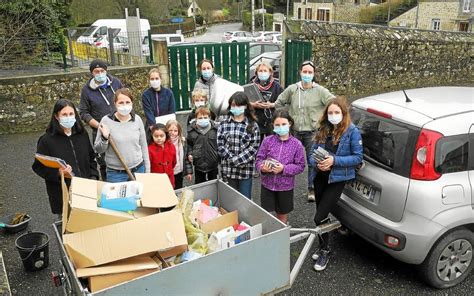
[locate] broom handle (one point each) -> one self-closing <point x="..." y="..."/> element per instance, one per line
<point x="122" y="161"/>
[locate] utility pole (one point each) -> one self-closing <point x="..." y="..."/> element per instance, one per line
<point x="287" y="9"/>
<point x="388" y="16"/>
<point x="263" y="16"/>
<point x="416" y="18"/>
<point x="194" y="16"/>
<point x="253" y="16"/>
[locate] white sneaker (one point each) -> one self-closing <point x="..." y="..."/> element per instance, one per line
<point x="311" y="196"/>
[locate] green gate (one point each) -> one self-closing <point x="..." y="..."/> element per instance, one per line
<point x="230" y="62"/>
<point x="296" y="52"/>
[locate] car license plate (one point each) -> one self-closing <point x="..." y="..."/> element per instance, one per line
<point x="367" y="191"/>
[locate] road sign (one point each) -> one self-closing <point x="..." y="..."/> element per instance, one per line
<point x="177" y="20"/>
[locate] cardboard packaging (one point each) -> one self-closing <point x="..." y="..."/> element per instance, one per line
<point x="221" y="222"/>
<point x="100" y="282"/>
<point x="126" y="239"/>
<point x="80" y="210"/>
<point x="126" y="265"/>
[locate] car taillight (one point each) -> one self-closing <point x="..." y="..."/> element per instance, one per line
<point x="422" y="167"/>
<point x="98" y="43"/>
<point x="391" y="241"/>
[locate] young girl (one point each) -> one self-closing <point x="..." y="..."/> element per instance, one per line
<point x="279" y="159"/>
<point x="202" y="146"/>
<point x="175" y="132"/>
<point x="238" y="138"/>
<point x="162" y="152"/>
<point x="343" y="141"/>
<point x="199" y="99"/>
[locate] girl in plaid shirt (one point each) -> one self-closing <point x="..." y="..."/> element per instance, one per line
<point x="238" y="138"/>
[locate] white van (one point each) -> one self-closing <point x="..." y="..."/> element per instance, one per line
<point x="100" y="27"/>
<point x="170" y="39"/>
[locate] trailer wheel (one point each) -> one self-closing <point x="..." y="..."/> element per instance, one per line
<point x="450" y="260"/>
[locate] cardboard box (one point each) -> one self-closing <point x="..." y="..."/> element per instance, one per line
<point x="80" y="210"/>
<point x="126" y="265"/>
<point x="221" y="222"/>
<point x="100" y="282"/>
<point x="126" y="239"/>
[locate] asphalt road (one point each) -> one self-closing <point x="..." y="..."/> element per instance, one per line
<point x="355" y="268"/>
<point x="214" y="33"/>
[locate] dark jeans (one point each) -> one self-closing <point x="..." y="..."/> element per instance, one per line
<point x="327" y="196"/>
<point x="201" y="177"/>
<point x="178" y="181"/>
<point x="100" y="158"/>
<point x="243" y="186"/>
<point x="306" y="138"/>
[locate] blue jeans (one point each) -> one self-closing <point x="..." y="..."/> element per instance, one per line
<point x="115" y="176"/>
<point x="306" y="138"/>
<point x="243" y="186"/>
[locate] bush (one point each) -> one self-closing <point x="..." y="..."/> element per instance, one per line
<point x="247" y="21"/>
<point x="378" y="14"/>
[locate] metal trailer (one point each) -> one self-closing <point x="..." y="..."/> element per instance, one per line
<point x="254" y="267"/>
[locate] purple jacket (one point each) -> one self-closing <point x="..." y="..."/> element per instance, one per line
<point x="290" y="153"/>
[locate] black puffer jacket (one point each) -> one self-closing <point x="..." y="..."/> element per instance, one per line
<point x="76" y="151"/>
<point x="203" y="148"/>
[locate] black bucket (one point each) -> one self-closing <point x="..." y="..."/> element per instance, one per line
<point x="34" y="250"/>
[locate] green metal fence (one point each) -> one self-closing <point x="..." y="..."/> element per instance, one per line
<point x="230" y="62"/>
<point x="296" y="52"/>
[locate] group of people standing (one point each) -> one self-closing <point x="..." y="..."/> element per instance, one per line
<point x="273" y="138"/>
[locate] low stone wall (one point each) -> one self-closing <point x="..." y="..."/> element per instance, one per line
<point x="358" y="60"/>
<point x="26" y="103"/>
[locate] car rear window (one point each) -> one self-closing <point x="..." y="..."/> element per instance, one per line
<point x="452" y="154"/>
<point x="387" y="143"/>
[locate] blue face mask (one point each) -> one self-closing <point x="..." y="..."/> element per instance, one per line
<point x="236" y="111"/>
<point x="67" y="121"/>
<point x="203" y="122"/>
<point x="263" y="76"/>
<point x="281" y="130"/>
<point x="307" y="78"/>
<point x="206" y="74"/>
<point x="101" y="77"/>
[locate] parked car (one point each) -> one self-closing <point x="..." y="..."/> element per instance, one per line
<point x="237" y="36"/>
<point x="261" y="36"/>
<point x="272" y="58"/>
<point x="414" y="197"/>
<point x="274" y="38"/>
<point x="256" y="49"/>
<point x="120" y="43"/>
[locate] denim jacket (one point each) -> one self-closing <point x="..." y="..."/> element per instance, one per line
<point x="348" y="156"/>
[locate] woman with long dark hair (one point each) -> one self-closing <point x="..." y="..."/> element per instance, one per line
<point x="238" y="138"/>
<point x="342" y="140"/>
<point x="65" y="138"/>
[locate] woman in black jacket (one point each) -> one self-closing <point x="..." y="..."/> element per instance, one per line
<point x="65" y="138"/>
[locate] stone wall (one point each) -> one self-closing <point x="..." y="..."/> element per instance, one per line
<point x="359" y="60"/>
<point x="26" y="103"/>
<point x="446" y="11"/>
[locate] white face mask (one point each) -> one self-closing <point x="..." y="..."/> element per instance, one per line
<point x="199" y="104"/>
<point x="335" y="119"/>
<point x="124" y="110"/>
<point x="156" y="84"/>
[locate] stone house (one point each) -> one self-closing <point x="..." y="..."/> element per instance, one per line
<point x="445" y="15"/>
<point x="329" y="10"/>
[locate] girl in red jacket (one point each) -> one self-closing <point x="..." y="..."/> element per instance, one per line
<point x="162" y="152"/>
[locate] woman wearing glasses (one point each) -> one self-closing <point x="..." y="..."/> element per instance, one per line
<point x="270" y="89"/>
<point x="306" y="100"/>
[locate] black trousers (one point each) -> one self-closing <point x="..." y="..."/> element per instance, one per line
<point x="201" y="177"/>
<point x="327" y="196"/>
<point x="178" y="181"/>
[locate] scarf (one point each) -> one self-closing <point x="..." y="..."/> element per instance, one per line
<point x="264" y="85"/>
<point x="179" y="154"/>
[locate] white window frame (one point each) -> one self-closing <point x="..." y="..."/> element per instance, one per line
<point x="466" y="5"/>
<point x="436" y="24"/>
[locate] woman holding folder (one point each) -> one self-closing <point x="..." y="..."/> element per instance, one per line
<point x="66" y="139"/>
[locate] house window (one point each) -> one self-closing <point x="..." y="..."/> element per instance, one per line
<point x="299" y="13"/>
<point x="323" y="15"/>
<point x="466" y="6"/>
<point x="356" y="2"/>
<point x="463" y="26"/>
<point x="435" y="24"/>
<point x="308" y="14"/>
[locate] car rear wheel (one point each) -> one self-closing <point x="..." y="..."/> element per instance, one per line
<point x="450" y="260"/>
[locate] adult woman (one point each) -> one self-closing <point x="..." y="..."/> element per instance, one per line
<point x="65" y="138"/>
<point x="156" y="100"/>
<point x="306" y="100"/>
<point x="128" y="133"/>
<point x="270" y="90"/>
<point x="338" y="136"/>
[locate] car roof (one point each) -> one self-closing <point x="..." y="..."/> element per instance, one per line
<point x="425" y="103"/>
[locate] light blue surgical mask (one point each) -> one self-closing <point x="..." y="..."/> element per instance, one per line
<point x="281" y="130"/>
<point x="67" y="121"/>
<point x="100" y="77"/>
<point x="206" y="74"/>
<point x="203" y="122"/>
<point x="307" y="78"/>
<point x="263" y="76"/>
<point x="236" y="111"/>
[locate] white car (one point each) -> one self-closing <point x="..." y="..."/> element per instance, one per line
<point x="274" y="38"/>
<point x="237" y="36"/>
<point x="120" y="43"/>
<point x="263" y="36"/>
